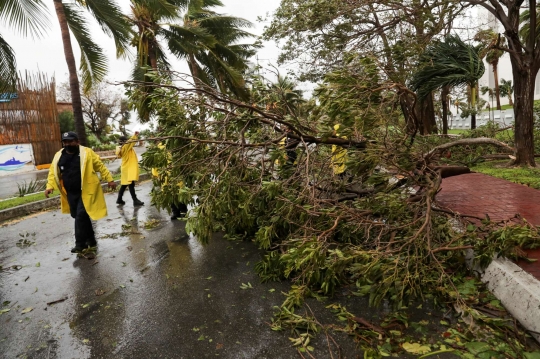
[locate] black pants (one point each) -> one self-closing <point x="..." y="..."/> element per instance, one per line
<point x="84" y="232"/>
<point x="179" y="208"/>
<point x="131" y="190"/>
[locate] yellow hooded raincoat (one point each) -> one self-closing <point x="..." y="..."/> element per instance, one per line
<point x="92" y="194"/>
<point x="130" y="163"/>
<point x="339" y="155"/>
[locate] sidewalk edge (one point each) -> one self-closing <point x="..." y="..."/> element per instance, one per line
<point x="517" y="290"/>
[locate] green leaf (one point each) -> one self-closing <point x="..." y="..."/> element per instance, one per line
<point x="2" y="311"/>
<point x="38" y="264"/>
<point x="416" y="348"/>
<point x="476" y="347"/>
<point x="27" y="310"/>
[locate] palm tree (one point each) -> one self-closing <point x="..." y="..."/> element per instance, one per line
<point x="93" y="62"/>
<point x="27" y="17"/>
<point x="205" y="39"/>
<point x="507" y="89"/>
<point x="490" y="44"/>
<point x="213" y="53"/>
<point x="449" y="63"/>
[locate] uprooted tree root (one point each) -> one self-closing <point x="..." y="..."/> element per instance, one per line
<point x="374" y="228"/>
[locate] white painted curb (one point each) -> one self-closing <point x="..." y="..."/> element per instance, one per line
<point x="517" y="290"/>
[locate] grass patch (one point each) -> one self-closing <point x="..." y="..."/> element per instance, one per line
<point x="522" y="175"/>
<point x="14" y="202"/>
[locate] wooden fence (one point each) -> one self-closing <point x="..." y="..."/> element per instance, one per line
<point x="31" y="116"/>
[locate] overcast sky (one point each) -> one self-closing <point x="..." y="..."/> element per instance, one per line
<point x="47" y="55"/>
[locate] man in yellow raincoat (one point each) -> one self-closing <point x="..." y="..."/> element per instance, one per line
<point x="73" y="173"/>
<point x="129" y="169"/>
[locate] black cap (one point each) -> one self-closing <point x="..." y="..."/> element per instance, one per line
<point x="69" y="136"/>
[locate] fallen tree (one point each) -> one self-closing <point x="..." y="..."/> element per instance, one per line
<point x="349" y="205"/>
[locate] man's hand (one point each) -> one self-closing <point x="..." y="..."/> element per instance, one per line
<point x="48" y="192"/>
<point x="112" y="184"/>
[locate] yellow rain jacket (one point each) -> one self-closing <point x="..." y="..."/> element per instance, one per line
<point x="130" y="163"/>
<point x="92" y="194"/>
<point x="339" y="156"/>
<point x="155" y="171"/>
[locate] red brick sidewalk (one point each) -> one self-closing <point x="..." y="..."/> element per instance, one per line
<point x="478" y="194"/>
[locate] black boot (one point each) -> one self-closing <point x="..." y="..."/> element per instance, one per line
<point x="120" y="194"/>
<point x="137" y="202"/>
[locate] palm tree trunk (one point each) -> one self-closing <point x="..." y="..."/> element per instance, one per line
<point x="194" y="71"/>
<point x="444" y="101"/>
<point x="496" y="77"/>
<point x="473" y="107"/>
<point x="72" y="68"/>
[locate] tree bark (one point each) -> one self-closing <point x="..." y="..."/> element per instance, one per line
<point x="473" y="107"/>
<point x="524" y="120"/>
<point x="407" y="104"/>
<point x="72" y="68"/>
<point x="495" y="65"/>
<point x="444" y="101"/>
<point x="426" y="114"/>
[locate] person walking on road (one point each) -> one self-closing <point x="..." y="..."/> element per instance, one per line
<point x="73" y="173"/>
<point x="129" y="169"/>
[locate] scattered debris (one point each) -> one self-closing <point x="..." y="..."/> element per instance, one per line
<point x="57" y="301"/>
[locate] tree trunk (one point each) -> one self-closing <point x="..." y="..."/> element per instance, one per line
<point x="426" y="115"/>
<point x="444" y="101"/>
<point x="524" y="120"/>
<point x="473" y="107"/>
<point x="194" y="71"/>
<point x="510" y="101"/>
<point x="72" y="68"/>
<point x="406" y="102"/>
<point x="496" y="77"/>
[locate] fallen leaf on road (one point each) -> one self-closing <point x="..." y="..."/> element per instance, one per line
<point x="27" y="310"/>
<point x="219" y="346"/>
<point x="416" y="348"/>
<point x="38" y="264"/>
<point x="2" y="311"/>
<point x="86" y="341"/>
<point x="130" y="248"/>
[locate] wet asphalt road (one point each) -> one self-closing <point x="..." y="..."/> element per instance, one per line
<point x="150" y="293"/>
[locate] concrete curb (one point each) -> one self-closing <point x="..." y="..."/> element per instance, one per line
<point x="517" y="290"/>
<point x="26" y="209"/>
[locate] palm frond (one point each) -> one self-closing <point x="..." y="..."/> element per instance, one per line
<point x="525" y="22"/>
<point x="112" y="22"/>
<point x="8" y="67"/>
<point x="24" y="16"/>
<point x="162" y="9"/>
<point x="93" y="61"/>
<point x="447" y="63"/>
